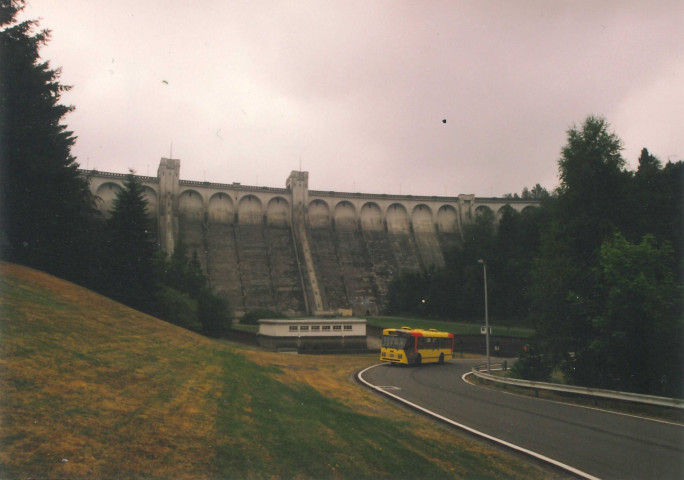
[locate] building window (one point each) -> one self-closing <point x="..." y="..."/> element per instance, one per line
<point x="326" y="327"/>
<point x="315" y="327"/>
<point x="304" y="328"/>
<point x="337" y="327"/>
<point x="293" y="328"/>
<point x="347" y="327"/>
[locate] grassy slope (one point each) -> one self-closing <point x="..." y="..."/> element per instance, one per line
<point x="92" y="389"/>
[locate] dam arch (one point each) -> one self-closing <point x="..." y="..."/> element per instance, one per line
<point x="421" y="219"/>
<point x="447" y="219"/>
<point x="482" y="210"/>
<point x="345" y="216"/>
<point x="371" y="217"/>
<point x="278" y="212"/>
<point x="501" y="211"/>
<point x="397" y="219"/>
<point x="221" y="209"/>
<point x="191" y="206"/>
<point x="250" y="210"/>
<point x="106" y="193"/>
<point x="319" y="214"/>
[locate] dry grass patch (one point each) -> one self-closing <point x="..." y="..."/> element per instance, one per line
<point x="331" y="375"/>
<point x="87" y="388"/>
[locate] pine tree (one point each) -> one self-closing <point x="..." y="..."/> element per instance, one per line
<point x="46" y="209"/>
<point x="657" y="204"/>
<point x="131" y="248"/>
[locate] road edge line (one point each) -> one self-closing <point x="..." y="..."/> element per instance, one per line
<point x="490" y="438"/>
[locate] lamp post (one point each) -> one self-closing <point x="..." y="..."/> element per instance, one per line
<point x="484" y="266"/>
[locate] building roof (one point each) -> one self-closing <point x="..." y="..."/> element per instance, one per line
<point x="310" y="321"/>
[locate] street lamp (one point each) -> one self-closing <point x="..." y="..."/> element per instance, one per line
<point x="484" y="266"/>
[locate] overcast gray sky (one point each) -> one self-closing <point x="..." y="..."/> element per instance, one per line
<point x="356" y="91"/>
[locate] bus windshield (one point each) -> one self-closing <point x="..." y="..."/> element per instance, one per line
<point x="394" y="342"/>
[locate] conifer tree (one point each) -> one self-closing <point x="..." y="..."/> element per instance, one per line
<point x="131" y="248"/>
<point x="46" y="209"/>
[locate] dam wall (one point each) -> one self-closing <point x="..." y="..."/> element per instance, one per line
<point x="299" y="251"/>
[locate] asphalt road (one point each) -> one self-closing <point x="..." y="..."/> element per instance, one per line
<point x="601" y="444"/>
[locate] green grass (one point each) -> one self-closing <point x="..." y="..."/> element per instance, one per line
<point x="246" y="328"/>
<point x="454" y="327"/>
<point x="92" y="389"/>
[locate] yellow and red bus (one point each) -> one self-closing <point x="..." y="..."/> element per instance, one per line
<point x="408" y="345"/>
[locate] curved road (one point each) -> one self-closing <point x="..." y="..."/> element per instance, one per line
<point x="597" y="443"/>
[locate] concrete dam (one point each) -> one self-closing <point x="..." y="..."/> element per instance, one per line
<point x="300" y="251"/>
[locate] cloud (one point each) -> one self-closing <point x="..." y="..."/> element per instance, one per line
<point x="651" y="117"/>
<point x="356" y="91"/>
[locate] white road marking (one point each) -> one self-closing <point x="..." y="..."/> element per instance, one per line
<point x="587" y="407"/>
<point x="477" y="432"/>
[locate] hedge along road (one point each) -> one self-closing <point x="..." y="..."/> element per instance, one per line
<point x="588" y="442"/>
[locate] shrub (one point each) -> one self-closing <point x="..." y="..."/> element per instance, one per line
<point x="532" y="365"/>
<point x="214" y="313"/>
<point x="177" y="308"/>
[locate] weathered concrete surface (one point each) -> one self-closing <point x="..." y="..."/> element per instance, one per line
<point x="299" y="251"/>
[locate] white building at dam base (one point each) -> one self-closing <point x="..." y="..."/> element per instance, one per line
<point x="311" y="335"/>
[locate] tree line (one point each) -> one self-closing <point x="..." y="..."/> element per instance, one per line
<point x="49" y="219"/>
<point x="456" y="291"/>
<point x="597" y="270"/>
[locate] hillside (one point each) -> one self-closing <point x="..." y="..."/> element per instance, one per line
<point x="92" y="389"/>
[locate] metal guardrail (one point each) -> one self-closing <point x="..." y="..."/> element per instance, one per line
<point x="591" y="392"/>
